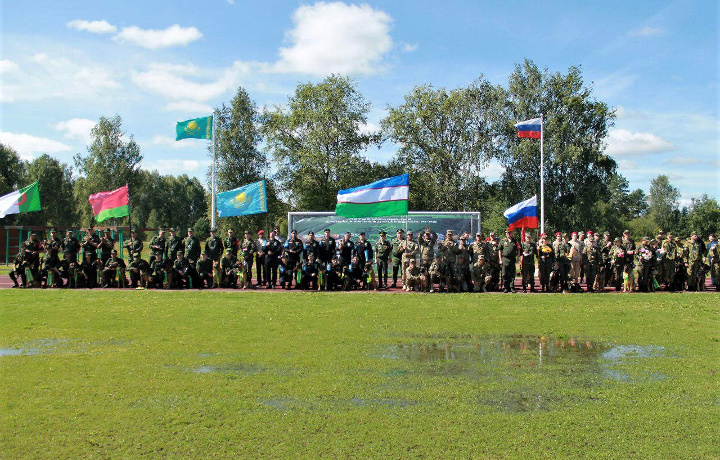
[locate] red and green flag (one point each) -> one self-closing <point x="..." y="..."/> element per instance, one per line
<point x="24" y="200"/>
<point x="115" y="203"/>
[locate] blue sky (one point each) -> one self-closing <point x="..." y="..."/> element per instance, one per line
<point x="65" y="64"/>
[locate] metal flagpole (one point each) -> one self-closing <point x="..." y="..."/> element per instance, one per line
<point x="542" y="177"/>
<point x="212" y="180"/>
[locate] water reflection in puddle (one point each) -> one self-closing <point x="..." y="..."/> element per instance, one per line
<point x="36" y="347"/>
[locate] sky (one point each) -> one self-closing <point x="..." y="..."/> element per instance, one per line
<point x="63" y="65"/>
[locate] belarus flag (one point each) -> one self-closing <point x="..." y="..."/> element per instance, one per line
<point x="24" y="200"/>
<point x="530" y="128"/>
<point x="523" y="214"/>
<point x="114" y="203"/>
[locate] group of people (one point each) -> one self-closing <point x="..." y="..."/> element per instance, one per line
<point x="426" y="263"/>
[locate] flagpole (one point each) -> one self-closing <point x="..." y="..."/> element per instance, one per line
<point x="542" y="177"/>
<point x="212" y="180"/>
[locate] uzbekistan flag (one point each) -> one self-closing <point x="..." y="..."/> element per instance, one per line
<point x="110" y="204"/>
<point x="385" y="197"/>
<point x="24" y="200"/>
<point x="530" y="128"/>
<point x="523" y="214"/>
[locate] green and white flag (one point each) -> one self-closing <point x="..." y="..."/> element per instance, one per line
<point x="197" y="128"/>
<point x="24" y="200"/>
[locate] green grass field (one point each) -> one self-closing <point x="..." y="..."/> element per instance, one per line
<point x="308" y="375"/>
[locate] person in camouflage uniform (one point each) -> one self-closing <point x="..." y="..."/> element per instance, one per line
<point x="134" y="244"/>
<point x="714" y="258"/>
<point x="414" y="278"/>
<point x="593" y="256"/>
<point x="508" y="255"/>
<point x="477" y="248"/>
<point x="158" y="245"/>
<point x="493" y="260"/>
<point x="618" y="260"/>
<point x="449" y="251"/>
<point x="439" y="273"/>
<point x="204" y="269"/>
<point x="192" y="247"/>
<point x="480" y="274"/>
<point x="70" y="246"/>
<point x="383" y="249"/>
<point x="53" y="244"/>
<point x="397" y="255"/>
<point x="18" y="271"/>
<point x="645" y="262"/>
<point x="426" y="245"/>
<point x="90" y="244"/>
<point x="107" y="245"/>
<point x="669" y="252"/>
<point x="546" y="262"/>
<point x="174" y="245"/>
<point x="410" y="250"/>
<point x="247" y="251"/>
<point x="562" y="248"/>
<point x="139" y="270"/>
<point x="214" y="247"/>
<point x="694" y="254"/>
<point x="527" y="263"/>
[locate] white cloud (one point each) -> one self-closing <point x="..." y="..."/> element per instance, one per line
<point x="170" y="82"/>
<point x="176" y="166"/>
<point x="409" y="48"/>
<point x="335" y="37"/>
<point x="648" y="32"/>
<point x="167" y="141"/>
<point x="493" y="170"/>
<point x="7" y="65"/>
<point x="154" y="38"/>
<point x="39" y="57"/>
<point x="25" y="144"/>
<point x="76" y="128"/>
<point x="614" y="84"/>
<point x="187" y="107"/>
<point x="96" y="27"/>
<point x="622" y="142"/>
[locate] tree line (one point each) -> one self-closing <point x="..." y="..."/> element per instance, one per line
<point x="316" y="144"/>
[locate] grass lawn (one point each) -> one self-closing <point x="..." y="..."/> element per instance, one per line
<point x="307" y="375"/>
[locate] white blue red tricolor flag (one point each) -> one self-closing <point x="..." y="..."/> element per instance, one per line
<point x="523" y="215"/>
<point x="530" y="128"/>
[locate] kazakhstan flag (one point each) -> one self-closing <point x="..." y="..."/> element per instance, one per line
<point x="249" y="199"/>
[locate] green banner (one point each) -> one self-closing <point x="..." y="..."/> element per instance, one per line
<point x="197" y="128"/>
<point x="372" y="226"/>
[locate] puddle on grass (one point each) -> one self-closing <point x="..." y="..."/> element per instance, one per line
<point x="36" y="347"/>
<point x="526" y="373"/>
<point x="229" y="369"/>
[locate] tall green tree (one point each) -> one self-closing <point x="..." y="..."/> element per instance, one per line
<point x="663" y="203"/>
<point x="11" y="170"/>
<point x="239" y="161"/>
<point x="576" y="125"/>
<point x="168" y="201"/>
<point x="317" y="142"/>
<point x="111" y="162"/>
<point x="56" y="193"/>
<point x="445" y="139"/>
<point x="704" y="216"/>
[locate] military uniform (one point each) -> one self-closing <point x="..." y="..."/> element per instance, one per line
<point x="70" y="247"/>
<point x="204" y="269"/>
<point x="693" y="260"/>
<point x="383" y="249"/>
<point x="347" y="248"/>
<point x="669" y="261"/>
<point x="214" y="248"/>
<point x="480" y="275"/>
<point x="273" y="249"/>
<point x="114" y="272"/>
<point x="134" y="246"/>
<point x="158" y="246"/>
<point x="227" y="267"/>
<point x="174" y="245"/>
<point x="562" y="262"/>
<point x="18" y="271"/>
<point x="593" y="256"/>
<point x="427" y="249"/>
<point x="157" y="271"/>
<point x="714" y="256"/>
<point x="645" y="261"/>
<point x="438" y="273"/>
<point x="87" y="273"/>
<point x="413" y="277"/>
<point x="508" y="251"/>
<point x="409" y="250"/>
<point x="492" y="259"/>
<point x="139" y="271"/>
<point x="546" y="263"/>
<point x="363" y="251"/>
<point x="107" y="244"/>
<point x="328" y="246"/>
<point x="247" y="250"/>
<point x="90" y="245"/>
<point x="527" y="265"/>
<point x="397" y="257"/>
<point x="192" y="248"/>
<point x="618" y="261"/>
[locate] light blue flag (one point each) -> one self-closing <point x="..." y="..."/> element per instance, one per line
<point x="249" y="199"/>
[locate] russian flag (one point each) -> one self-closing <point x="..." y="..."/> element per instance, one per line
<point x="530" y="128"/>
<point x="523" y="214"/>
